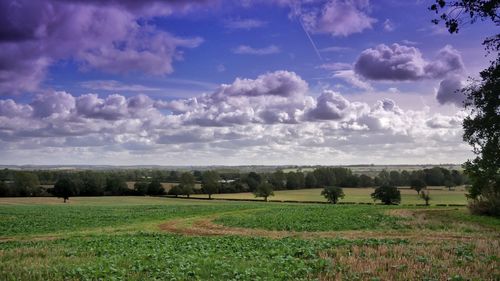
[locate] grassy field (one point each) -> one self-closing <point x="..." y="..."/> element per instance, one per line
<point x="357" y="195"/>
<point x="151" y="238"/>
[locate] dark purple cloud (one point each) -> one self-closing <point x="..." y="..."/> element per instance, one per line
<point x="449" y="91"/>
<point x="104" y="35"/>
<point x="404" y="63"/>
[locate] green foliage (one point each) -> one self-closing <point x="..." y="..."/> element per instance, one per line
<point x="253" y="180"/>
<point x="425" y="195"/>
<point x="315" y="218"/>
<point x="333" y="193"/>
<point x="27" y="184"/>
<point x="65" y="188"/>
<point x="456" y="13"/>
<point x="418" y="185"/>
<point x="141" y="187"/>
<point x="210" y="183"/>
<point x="155" y="256"/>
<point x="38" y="219"/>
<point x="187" y="182"/>
<point x="278" y="179"/>
<point x="175" y="190"/>
<point x="155" y="188"/>
<point x="310" y="181"/>
<point x="482" y="126"/>
<point x="294" y="180"/>
<point x="116" y="185"/>
<point x="265" y="190"/>
<point x="388" y="194"/>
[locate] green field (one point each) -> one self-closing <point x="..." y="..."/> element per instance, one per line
<point x="151" y="238"/>
<point x="358" y="195"/>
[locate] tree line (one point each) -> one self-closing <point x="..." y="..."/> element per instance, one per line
<point x="149" y="182"/>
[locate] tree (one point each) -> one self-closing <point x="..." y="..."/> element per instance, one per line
<point x="4" y="189"/>
<point x="278" y="179"/>
<point x="426" y="196"/>
<point x="449" y="184"/>
<point x="141" y="187"/>
<point x="482" y="125"/>
<point x="265" y="190"/>
<point x="253" y="180"/>
<point x="460" y="12"/>
<point x="418" y="185"/>
<point x="26" y="184"/>
<point x="388" y="194"/>
<point x="210" y="183"/>
<point x="175" y="190"/>
<point x="187" y="182"/>
<point x="93" y="184"/>
<point x="294" y="180"/>
<point x="333" y="194"/>
<point x="365" y="181"/>
<point x="310" y="181"/>
<point x="155" y="188"/>
<point x="65" y="188"/>
<point x="115" y="185"/>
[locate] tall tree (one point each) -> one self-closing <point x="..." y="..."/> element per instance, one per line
<point x="186" y="184"/>
<point x="482" y="126"/>
<point x="65" y="188"/>
<point x="265" y="190"/>
<point x="418" y="185"/>
<point x="388" y="194"/>
<point x="210" y="183"/>
<point x="310" y="181"/>
<point x="27" y="184"/>
<point x="333" y="194"/>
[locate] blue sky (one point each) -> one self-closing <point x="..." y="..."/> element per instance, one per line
<point x="220" y="82"/>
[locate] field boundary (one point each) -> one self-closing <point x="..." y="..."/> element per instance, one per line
<point x="307" y="201"/>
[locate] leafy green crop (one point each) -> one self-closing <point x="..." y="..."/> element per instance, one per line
<point x="142" y="256"/>
<point x="315" y="218"/>
<point x="39" y="219"/>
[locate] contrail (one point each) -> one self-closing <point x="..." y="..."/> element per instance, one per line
<point x="310" y="39"/>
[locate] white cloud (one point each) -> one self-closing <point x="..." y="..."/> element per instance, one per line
<point x="244" y="23"/>
<point x="116" y="86"/>
<point x="352" y="78"/>
<point x="247" y="50"/>
<point x="269" y="119"/>
<point x="389" y="25"/>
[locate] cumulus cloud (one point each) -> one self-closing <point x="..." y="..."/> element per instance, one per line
<point x="273" y="114"/>
<point x="107" y="36"/>
<point x="449" y="91"/>
<point x="333" y="106"/>
<point x="404" y="63"/>
<point x="338" y="17"/>
<point x="247" y="50"/>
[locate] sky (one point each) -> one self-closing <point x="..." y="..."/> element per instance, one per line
<point x="214" y="82"/>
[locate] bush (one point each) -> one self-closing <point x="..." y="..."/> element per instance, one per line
<point x="333" y="193"/>
<point x="388" y="194"/>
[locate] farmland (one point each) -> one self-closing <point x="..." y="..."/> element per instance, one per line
<point x="137" y="238"/>
<point x="356" y="195"/>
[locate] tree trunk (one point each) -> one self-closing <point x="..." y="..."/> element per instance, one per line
<point x="209" y="196"/>
<point x="65" y="200"/>
<point x="265" y="198"/>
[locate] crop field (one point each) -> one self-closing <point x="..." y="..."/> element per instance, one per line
<point x="152" y="238"/>
<point x="357" y="195"/>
